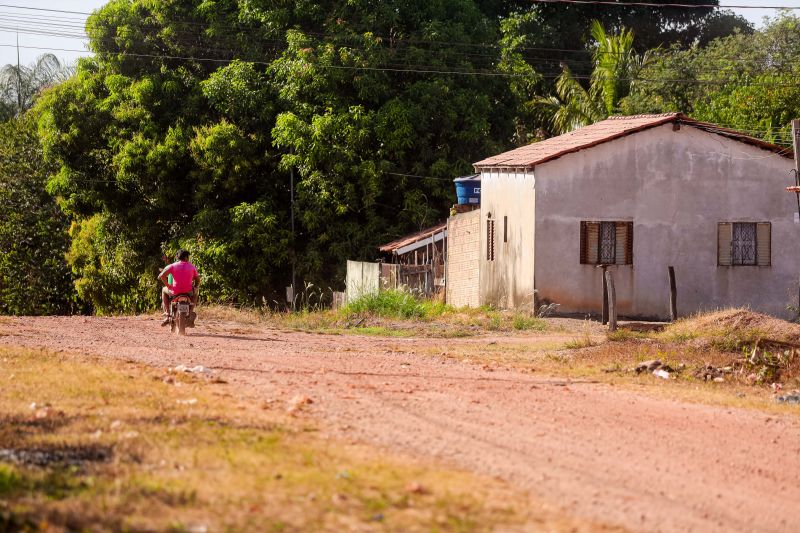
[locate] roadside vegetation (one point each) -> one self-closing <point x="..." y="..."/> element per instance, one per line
<point x="119" y="446"/>
<point x="397" y="313"/>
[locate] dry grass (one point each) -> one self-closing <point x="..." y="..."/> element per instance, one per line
<point x="119" y="449"/>
<point x="723" y="339"/>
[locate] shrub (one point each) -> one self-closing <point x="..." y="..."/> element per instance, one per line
<point x="395" y="303"/>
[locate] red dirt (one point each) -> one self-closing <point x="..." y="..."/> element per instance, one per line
<point x="610" y="456"/>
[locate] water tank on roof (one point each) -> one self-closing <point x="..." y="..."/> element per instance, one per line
<point x="468" y="189"/>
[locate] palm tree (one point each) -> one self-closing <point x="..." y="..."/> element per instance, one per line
<point x="19" y="86"/>
<point x="616" y="64"/>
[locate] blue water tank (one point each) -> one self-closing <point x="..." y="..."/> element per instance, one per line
<point x="468" y="189"/>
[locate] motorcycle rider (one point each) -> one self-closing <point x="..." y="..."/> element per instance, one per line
<point x="185" y="280"/>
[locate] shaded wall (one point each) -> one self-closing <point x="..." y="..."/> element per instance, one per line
<point x="507" y="280"/>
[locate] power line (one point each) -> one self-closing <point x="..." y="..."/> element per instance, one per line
<point x="49" y="10"/>
<point x="660" y="5"/>
<point x="422" y="69"/>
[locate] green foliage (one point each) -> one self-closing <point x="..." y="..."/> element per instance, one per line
<point x="395" y="304"/>
<point x="616" y="65"/>
<point x="155" y="153"/>
<point x="743" y="81"/>
<point x="34" y="277"/>
<point x="10" y="481"/>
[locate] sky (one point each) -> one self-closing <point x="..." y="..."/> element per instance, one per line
<point x="37" y="28"/>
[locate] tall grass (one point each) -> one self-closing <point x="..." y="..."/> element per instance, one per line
<point x="395" y="304"/>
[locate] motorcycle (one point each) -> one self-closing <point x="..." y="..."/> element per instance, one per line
<point x="181" y="310"/>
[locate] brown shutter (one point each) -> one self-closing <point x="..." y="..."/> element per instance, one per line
<point x="592" y="243"/>
<point x="764" y="243"/>
<point x="724" y="239"/>
<point x="629" y="245"/>
<point x="505" y="229"/>
<point x="620" y="252"/>
<point x="489" y="239"/>
<point x="584" y="258"/>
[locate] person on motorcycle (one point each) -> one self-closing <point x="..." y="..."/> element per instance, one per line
<point x="185" y="280"/>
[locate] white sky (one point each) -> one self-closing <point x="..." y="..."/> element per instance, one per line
<point x="33" y="23"/>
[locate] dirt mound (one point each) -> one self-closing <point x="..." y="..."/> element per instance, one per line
<point x="740" y="324"/>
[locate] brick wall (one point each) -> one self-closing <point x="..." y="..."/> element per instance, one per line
<point x="463" y="254"/>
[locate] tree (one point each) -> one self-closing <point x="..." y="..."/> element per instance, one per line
<point x="746" y="82"/>
<point x="20" y="85"/>
<point x="184" y="128"/>
<point x="616" y="65"/>
<point x="34" y="276"/>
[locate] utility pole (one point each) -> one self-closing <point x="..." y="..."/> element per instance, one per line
<point x="796" y="147"/>
<point x="294" y="247"/>
<point x="19" y="81"/>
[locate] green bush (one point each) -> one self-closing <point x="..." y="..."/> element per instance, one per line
<point x="396" y="304"/>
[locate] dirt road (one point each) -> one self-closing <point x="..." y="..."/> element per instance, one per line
<point x="607" y="455"/>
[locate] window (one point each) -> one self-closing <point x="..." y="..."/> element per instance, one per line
<point x="505" y="229"/>
<point x="490" y="240"/>
<point x="744" y="244"/>
<point x="606" y="243"/>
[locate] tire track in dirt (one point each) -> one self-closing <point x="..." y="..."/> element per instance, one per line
<point x="599" y="453"/>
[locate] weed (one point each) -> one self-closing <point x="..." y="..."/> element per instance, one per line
<point x="576" y="344"/>
<point x="622" y="335"/>
<point x="522" y="322"/>
<point x="10" y="480"/>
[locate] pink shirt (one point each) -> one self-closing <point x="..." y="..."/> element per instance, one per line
<point x="183" y="272"/>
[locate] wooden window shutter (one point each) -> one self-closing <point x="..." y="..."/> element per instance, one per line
<point x="584" y="258"/>
<point x="592" y="242"/>
<point x="621" y="251"/>
<point x="490" y="240"/>
<point x="505" y="229"/>
<point x="629" y="245"/>
<point x="764" y="243"/>
<point x="724" y="240"/>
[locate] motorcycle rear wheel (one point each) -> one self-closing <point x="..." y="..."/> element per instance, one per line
<point x="182" y="320"/>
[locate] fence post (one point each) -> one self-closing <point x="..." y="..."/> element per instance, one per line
<point x="612" y="301"/>
<point x="673" y="295"/>
<point x="604" y="315"/>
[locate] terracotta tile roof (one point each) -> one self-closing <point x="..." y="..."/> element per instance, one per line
<point x="604" y="131"/>
<point x="414" y="237"/>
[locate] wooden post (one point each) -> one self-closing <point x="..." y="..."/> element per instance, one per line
<point x="604" y="315"/>
<point x="796" y="147"/>
<point x="673" y="295"/>
<point x="612" y="301"/>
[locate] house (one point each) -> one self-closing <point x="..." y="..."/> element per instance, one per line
<point x="639" y="194"/>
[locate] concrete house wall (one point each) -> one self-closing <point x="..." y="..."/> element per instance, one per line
<point x="463" y="259"/>
<point x="507" y="281"/>
<point x="676" y="185"/>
